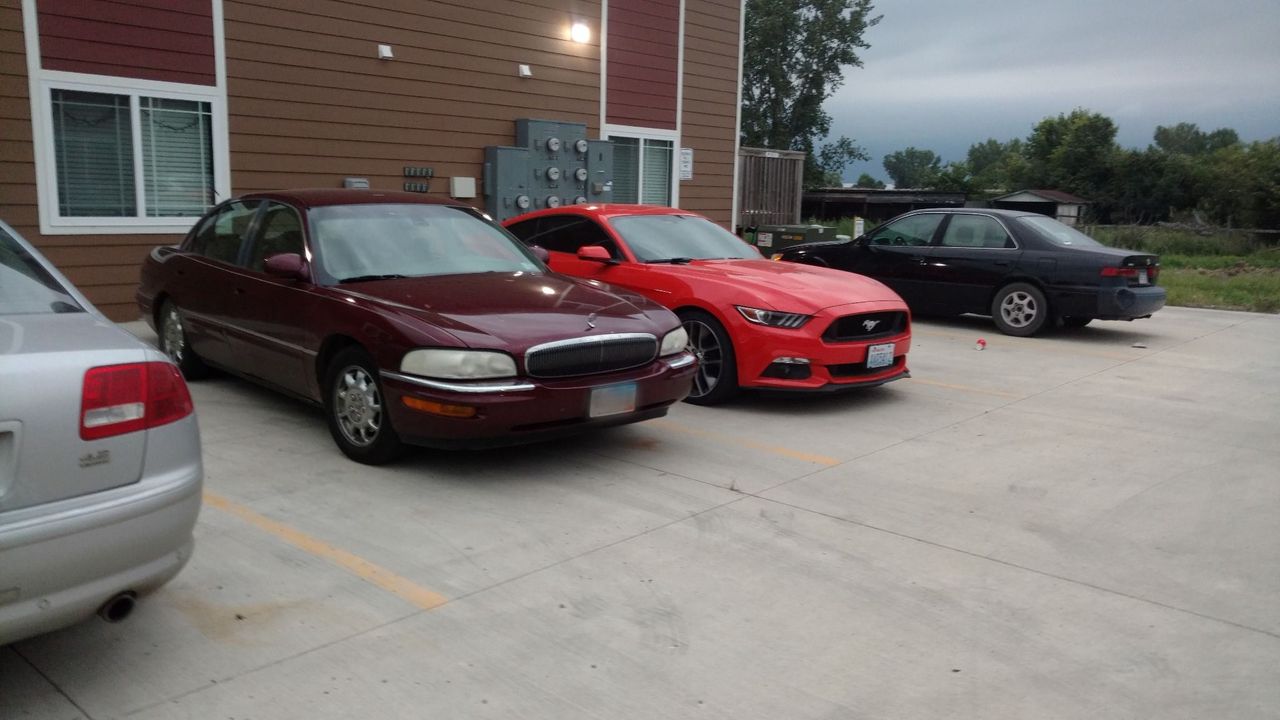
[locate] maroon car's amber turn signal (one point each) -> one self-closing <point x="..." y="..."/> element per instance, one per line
<point x="437" y="408"/>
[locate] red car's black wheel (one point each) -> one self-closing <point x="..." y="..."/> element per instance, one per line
<point x="717" y="378"/>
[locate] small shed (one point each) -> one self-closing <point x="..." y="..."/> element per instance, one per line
<point x="1067" y="208"/>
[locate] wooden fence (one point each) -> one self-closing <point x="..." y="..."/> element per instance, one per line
<point x="772" y="184"/>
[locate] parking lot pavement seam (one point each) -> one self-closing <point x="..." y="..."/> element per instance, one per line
<point x="1024" y="568"/>
<point x="52" y="683"/>
<point x="751" y="444"/>
<point x="372" y="573"/>
<point x="451" y="601"/>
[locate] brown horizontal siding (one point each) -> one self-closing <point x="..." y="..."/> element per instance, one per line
<point x="708" y="123"/>
<point x="643" y="54"/>
<point x="99" y="37"/>
<point x="309" y="102"/>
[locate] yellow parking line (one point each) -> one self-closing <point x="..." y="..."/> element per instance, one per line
<point x="743" y="442"/>
<point x="965" y="388"/>
<point x="354" y="564"/>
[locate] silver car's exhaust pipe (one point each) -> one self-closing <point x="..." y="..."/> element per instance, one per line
<point x="118" y="607"/>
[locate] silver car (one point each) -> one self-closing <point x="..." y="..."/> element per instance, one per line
<point x="100" y="470"/>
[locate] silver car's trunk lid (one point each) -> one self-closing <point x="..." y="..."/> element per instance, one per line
<point x="43" y="359"/>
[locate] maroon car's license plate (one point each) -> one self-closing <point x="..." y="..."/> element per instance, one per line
<point x="613" y="400"/>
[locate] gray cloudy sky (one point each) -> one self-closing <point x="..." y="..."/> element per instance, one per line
<point x="944" y="74"/>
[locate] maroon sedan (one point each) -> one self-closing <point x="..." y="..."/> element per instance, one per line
<point x="409" y="320"/>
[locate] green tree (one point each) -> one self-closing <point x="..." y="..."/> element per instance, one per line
<point x="995" y="166"/>
<point x="1073" y="152"/>
<point x="796" y="52"/>
<point x="954" y="177"/>
<point x="1188" y="139"/>
<point x="912" y="167"/>
<point x="866" y="181"/>
<point x="834" y="157"/>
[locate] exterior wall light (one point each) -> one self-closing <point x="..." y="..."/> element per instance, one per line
<point x="580" y="33"/>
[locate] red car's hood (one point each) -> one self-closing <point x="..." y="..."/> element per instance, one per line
<point x="790" y="287"/>
<point x="512" y="312"/>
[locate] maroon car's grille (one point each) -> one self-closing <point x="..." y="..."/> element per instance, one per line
<point x="868" y="326"/>
<point x="587" y="356"/>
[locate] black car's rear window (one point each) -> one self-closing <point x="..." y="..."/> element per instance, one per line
<point x="1055" y="232"/>
<point x="26" y="287"/>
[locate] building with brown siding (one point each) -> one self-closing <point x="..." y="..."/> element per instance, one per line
<point x="122" y="120"/>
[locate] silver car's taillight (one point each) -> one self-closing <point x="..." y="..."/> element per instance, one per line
<point x="119" y="399"/>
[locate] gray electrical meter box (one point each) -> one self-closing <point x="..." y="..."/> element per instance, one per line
<point x="506" y="182"/>
<point x="558" y="166"/>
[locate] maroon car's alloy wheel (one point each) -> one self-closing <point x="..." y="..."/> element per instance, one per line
<point x="357" y="406"/>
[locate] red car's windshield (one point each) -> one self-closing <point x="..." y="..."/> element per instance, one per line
<point x="663" y="238"/>
<point x="365" y="242"/>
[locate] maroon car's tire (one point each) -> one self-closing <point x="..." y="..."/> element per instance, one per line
<point x="172" y="334"/>
<point x="1019" y="309"/>
<point x="717" y="378"/>
<point x="356" y="409"/>
<point x="1076" y="322"/>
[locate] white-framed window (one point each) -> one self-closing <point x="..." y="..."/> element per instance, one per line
<point x="125" y="155"/>
<point x="644" y="165"/>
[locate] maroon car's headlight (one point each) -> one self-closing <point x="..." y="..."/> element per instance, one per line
<point x="451" y="364"/>
<point x="773" y="318"/>
<point x="676" y="341"/>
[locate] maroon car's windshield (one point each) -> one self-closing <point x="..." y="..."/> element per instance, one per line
<point x="368" y="242"/>
<point x="664" y="238"/>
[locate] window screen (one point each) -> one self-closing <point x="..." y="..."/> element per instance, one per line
<point x="93" y="149"/>
<point x="626" y="170"/>
<point x="177" y="151"/>
<point x="657" y="172"/>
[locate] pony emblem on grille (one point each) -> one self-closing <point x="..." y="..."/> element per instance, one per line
<point x="870" y="325"/>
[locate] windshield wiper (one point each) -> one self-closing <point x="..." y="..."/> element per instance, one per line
<point x="363" y="278"/>
<point x="672" y="261"/>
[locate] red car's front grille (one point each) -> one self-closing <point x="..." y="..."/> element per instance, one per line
<point x="590" y="355"/>
<point x="852" y="328"/>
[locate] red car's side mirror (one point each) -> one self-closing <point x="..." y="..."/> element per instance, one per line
<point x="595" y="253"/>
<point x="287" y="265"/>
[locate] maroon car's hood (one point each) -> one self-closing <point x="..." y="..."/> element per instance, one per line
<point x="789" y="286"/>
<point x="514" y="311"/>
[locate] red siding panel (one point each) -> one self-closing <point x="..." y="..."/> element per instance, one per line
<point x="642" y="70"/>
<point x="169" y="40"/>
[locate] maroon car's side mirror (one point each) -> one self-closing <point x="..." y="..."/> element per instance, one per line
<point x="541" y="253"/>
<point x="595" y="253"/>
<point x="288" y="265"/>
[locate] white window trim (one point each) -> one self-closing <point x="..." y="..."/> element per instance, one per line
<point x="40" y="84"/>
<point x="642" y="133"/>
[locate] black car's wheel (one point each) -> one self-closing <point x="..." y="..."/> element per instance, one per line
<point x="355" y="407"/>
<point x="717" y="377"/>
<point x="1075" y="322"/>
<point x="173" y="342"/>
<point x="1019" y="309"/>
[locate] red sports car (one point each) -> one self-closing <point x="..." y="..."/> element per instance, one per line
<point x="410" y="320"/>
<point x="751" y="322"/>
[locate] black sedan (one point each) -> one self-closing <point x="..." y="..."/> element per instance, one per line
<point x="1022" y="269"/>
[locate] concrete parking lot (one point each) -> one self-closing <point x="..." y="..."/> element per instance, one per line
<point x="1084" y="525"/>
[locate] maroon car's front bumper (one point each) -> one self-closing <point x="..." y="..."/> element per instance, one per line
<point x="530" y="410"/>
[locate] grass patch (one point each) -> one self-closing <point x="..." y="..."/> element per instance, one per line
<point x="1240" y="287"/>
